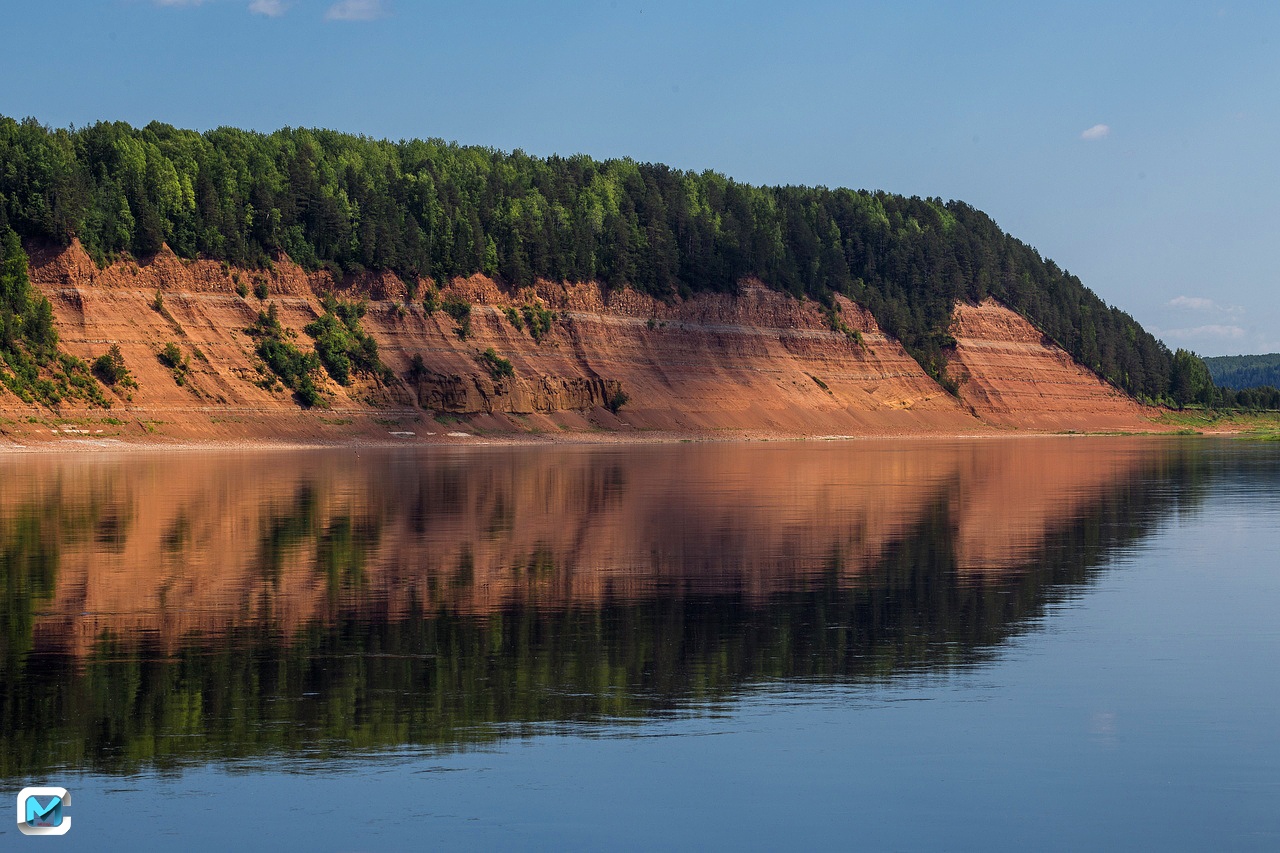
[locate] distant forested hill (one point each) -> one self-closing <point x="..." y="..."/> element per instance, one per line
<point x="437" y="209"/>
<point x="1245" y="371"/>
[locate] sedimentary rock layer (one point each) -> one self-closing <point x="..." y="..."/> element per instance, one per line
<point x="1012" y="375"/>
<point x="756" y="362"/>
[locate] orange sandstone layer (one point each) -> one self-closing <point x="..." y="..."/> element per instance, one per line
<point x="757" y="363"/>
<point x="1012" y="375"/>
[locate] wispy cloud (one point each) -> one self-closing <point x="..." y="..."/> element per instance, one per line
<point x="1098" y="131"/>
<point x="1200" y="303"/>
<point x="1213" y="330"/>
<point x="356" y="10"/>
<point x="270" y="8"/>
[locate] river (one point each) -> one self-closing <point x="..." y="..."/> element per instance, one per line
<point x="1050" y="643"/>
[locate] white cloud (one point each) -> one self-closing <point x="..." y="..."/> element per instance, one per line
<point x="1211" y="331"/>
<point x="270" y="8"/>
<point x="1098" y="131"/>
<point x="1199" y="303"/>
<point x="355" y="10"/>
<point x="1195" y="303"/>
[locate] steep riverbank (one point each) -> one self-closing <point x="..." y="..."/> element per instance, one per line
<point x="754" y="364"/>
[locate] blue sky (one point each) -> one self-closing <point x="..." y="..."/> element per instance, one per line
<point x="1134" y="143"/>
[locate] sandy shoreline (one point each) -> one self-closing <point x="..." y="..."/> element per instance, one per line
<point x="258" y="444"/>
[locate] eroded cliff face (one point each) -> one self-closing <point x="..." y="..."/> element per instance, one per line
<point x="1012" y="375"/>
<point x="753" y="363"/>
<point x="472" y="394"/>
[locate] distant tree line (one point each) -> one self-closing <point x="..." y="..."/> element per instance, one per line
<point x="1245" y="371"/>
<point x="1263" y="398"/>
<point x="1250" y="382"/>
<point x="437" y="210"/>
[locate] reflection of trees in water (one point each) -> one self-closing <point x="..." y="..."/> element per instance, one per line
<point x="31" y="542"/>
<point x="440" y="678"/>
<point x="30" y="571"/>
<point x="342" y="543"/>
<point x="283" y="530"/>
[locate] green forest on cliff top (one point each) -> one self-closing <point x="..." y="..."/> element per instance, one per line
<point x="435" y="209"/>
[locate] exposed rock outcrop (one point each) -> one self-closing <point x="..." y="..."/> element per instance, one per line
<point x="756" y="362"/>
<point x="473" y="394"/>
<point x="1012" y="375"/>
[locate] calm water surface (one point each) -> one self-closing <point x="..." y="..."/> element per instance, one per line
<point x="997" y="644"/>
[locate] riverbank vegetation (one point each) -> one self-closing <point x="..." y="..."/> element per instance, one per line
<point x="295" y="369"/>
<point x="31" y="365"/>
<point x="342" y="344"/>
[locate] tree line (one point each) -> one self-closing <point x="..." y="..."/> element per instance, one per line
<point x="1247" y="382"/>
<point x="1245" y="371"/>
<point x="428" y="208"/>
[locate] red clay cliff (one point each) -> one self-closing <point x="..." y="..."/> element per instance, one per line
<point x="755" y="364"/>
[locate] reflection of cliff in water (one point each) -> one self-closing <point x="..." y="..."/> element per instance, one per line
<point x="323" y="606"/>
